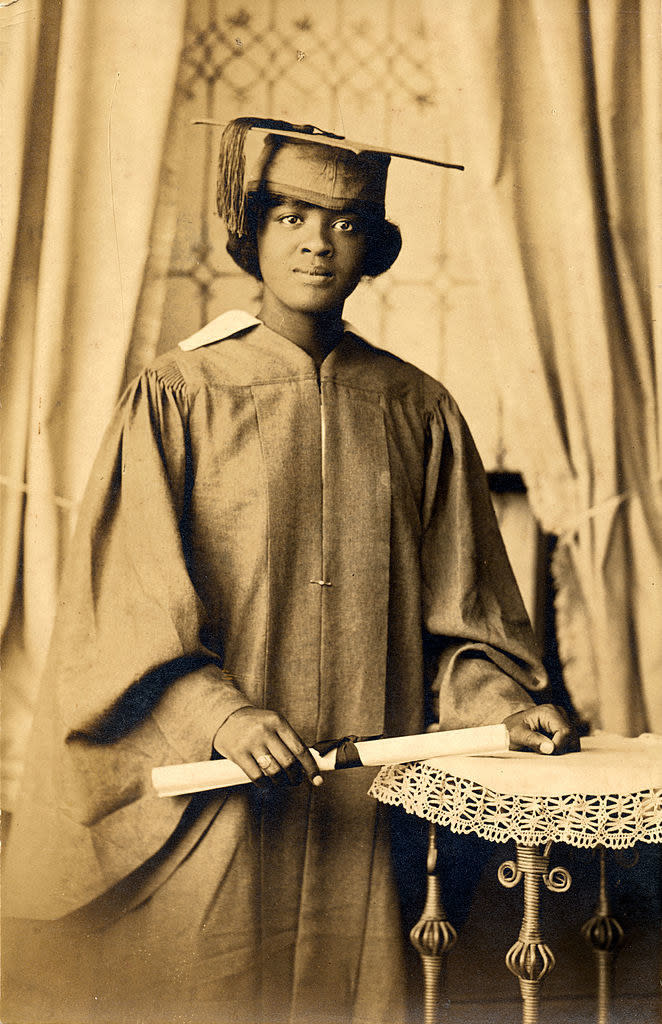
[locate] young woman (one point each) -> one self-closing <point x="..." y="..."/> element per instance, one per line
<point x="287" y="538"/>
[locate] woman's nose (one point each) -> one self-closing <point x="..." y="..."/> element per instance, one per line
<point x="317" y="239"/>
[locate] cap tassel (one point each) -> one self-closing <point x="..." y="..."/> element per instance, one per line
<point x="230" y="194"/>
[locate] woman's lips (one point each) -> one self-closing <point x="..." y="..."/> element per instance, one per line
<point x="317" y="272"/>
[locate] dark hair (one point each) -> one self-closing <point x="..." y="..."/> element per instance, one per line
<point x="383" y="240"/>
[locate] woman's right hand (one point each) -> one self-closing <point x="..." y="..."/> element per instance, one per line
<point x="265" y="746"/>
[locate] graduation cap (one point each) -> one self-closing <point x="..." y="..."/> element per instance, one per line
<point x="301" y="162"/>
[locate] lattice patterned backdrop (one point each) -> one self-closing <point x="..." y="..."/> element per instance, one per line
<point x="362" y="68"/>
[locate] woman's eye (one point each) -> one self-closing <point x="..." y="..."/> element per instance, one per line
<point x="344" y="225"/>
<point x="290" y="218"/>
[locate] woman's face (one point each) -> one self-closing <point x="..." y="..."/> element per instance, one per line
<point x="311" y="259"/>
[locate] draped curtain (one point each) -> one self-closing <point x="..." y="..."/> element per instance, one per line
<point x="87" y="93"/>
<point x="555" y="111"/>
<point x="557" y="106"/>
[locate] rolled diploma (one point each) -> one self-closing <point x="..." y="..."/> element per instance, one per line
<point x="178" y="779"/>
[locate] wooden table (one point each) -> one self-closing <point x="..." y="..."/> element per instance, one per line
<point x="607" y="796"/>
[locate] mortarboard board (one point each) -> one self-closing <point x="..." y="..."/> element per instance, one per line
<point x="302" y="162"/>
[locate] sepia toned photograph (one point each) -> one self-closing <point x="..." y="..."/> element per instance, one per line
<point x="331" y="511"/>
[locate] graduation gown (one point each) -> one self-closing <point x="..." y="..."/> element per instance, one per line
<point x="260" y="532"/>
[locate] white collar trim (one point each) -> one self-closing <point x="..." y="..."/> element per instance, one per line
<point x="222" y="327"/>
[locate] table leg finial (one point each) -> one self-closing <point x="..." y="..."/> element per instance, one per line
<point x="530" y="959"/>
<point x="605" y="934"/>
<point x="433" y="935"/>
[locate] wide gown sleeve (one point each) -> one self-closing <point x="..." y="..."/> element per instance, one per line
<point x="481" y="657"/>
<point x="129" y="684"/>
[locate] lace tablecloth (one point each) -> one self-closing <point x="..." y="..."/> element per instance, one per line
<point x="608" y="794"/>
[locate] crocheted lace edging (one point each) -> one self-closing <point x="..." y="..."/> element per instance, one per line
<point x="615" y="821"/>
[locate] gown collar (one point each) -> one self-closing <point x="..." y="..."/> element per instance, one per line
<point x="237" y="321"/>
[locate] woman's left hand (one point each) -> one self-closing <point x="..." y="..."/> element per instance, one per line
<point x="544" y="728"/>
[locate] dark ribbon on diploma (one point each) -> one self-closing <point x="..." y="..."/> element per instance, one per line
<point x="347" y="755"/>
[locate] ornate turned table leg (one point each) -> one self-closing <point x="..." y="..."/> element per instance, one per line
<point x="434" y="935"/>
<point x="604" y="933"/>
<point x="530" y="959"/>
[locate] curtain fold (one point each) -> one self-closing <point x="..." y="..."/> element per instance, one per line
<point x="96" y="115"/>
<point x="558" y="109"/>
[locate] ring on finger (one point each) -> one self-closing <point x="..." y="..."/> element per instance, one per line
<point x="264" y="761"/>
